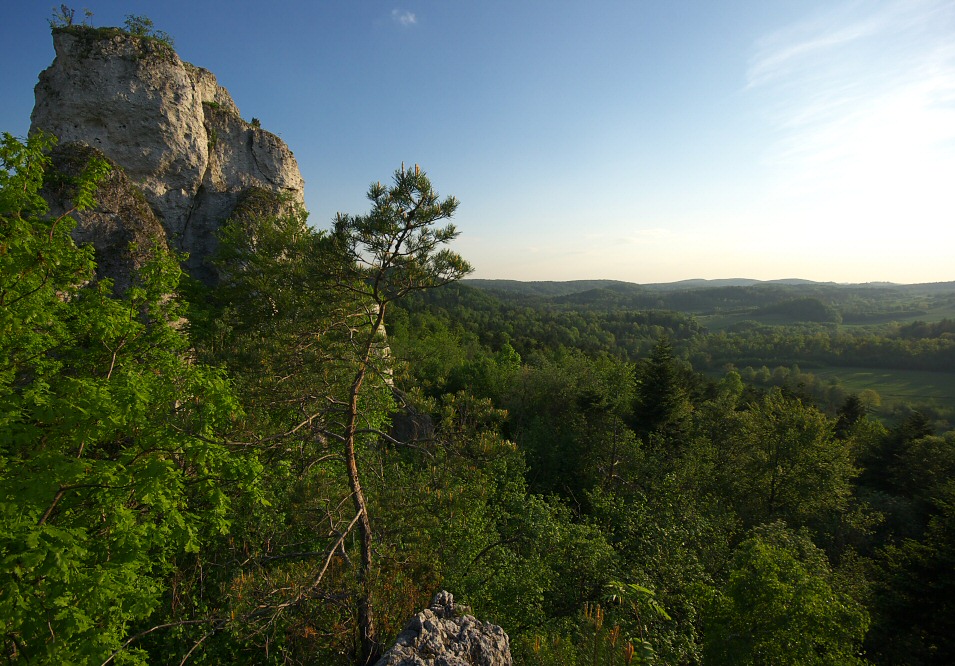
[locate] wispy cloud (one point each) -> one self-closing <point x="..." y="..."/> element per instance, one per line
<point x="403" y="18"/>
<point x="787" y="51"/>
<point x="862" y="99"/>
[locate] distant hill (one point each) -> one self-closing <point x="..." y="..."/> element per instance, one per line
<point x="564" y="288"/>
<point x="544" y="288"/>
<point x="800" y="300"/>
<point x="702" y="284"/>
<point x="550" y="289"/>
<point x="929" y="287"/>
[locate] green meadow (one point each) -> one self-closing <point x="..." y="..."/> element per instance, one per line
<point x="914" y="386"/>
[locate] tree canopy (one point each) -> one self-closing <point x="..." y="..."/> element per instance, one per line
<point x="284" y="466"/>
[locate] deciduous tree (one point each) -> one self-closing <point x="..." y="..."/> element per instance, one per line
<point x="780" y="606"/>
<point x="109" y="463"/>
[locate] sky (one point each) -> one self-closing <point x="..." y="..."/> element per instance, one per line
<point x="644" y="141"/>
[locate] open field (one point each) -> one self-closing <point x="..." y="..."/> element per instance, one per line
<point x="912" y="386"/>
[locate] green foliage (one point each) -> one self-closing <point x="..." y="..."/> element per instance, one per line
<point x="802" y="309"/>
<point x="760" y="344"/>
<point x="785" y="463"/>
<point x="671" y="514"/>
<point x="297" y="317"/>
<point x="666" y="544"/>
<point x="530" y="326"/>
<point x="915" y="591"/>
<point x="568" y="413"/>
<point x="143" y="27"/>
<point x="140" y="26"/>
<point x="392" y="251"/>
<point x="62" y="17"/>
<point x="109" y="467"/>
<point x="396" y="248"/>
<point x="740" y="457"/>
<point x="662" y="407"/>
<point x="780" y="606"/>
<point x="284" y="329"/>
<point x="265" y="477"/>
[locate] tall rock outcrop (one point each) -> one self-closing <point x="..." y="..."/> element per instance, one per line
<point x="443" y="635"/>
<point x="172" y="128"/>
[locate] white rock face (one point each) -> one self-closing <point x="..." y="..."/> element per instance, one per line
<point x="443" y="636"/>
<point x="173" y="129"/>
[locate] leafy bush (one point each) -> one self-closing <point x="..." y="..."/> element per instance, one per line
<point x="142" y="26"/>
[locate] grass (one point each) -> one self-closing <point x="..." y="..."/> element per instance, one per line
<point x="912" y="386"/>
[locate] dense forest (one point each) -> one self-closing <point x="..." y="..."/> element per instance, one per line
<point x="252" y="472"/>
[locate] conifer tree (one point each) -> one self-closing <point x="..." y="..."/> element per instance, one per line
<point x="393" y="250"/>
<point x="662" y="405"/>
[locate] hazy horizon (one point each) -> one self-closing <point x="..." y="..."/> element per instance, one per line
<point x="643" y="142"/>
<point x="791" y="280"/>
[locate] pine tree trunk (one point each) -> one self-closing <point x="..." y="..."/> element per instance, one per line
<point x="370" y="647"/>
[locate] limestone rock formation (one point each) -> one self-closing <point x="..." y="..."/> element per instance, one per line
<point x="173" y="129"/>
<point x="443" y="635"/>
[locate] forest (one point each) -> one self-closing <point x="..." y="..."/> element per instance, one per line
<point x="285" y="466"/>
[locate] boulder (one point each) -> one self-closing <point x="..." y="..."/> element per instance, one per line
<point x="445" y="635"/>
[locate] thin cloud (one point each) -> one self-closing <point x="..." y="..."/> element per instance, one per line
<point x="782" y="53"/>
<point x="838" y="32"/>
<point x="403" y="18"/>
<point x="863" y="103"/>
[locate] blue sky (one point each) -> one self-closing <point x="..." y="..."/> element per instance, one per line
<point x="639" y="141"/>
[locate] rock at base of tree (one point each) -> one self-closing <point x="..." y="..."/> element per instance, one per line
<point x="443" y="635"/>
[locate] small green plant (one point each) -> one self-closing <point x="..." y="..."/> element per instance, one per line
<point x="140" y="26"/>
<point x="255" y="122"/>
<point x="64" y="16"/>
<point x="143" y="27"/>
<point x="213" y="138"/>
<point x="212" y="105"/>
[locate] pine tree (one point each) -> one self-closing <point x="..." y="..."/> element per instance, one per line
<point x="393" y="250"/>
<point x="662" y="404"/>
